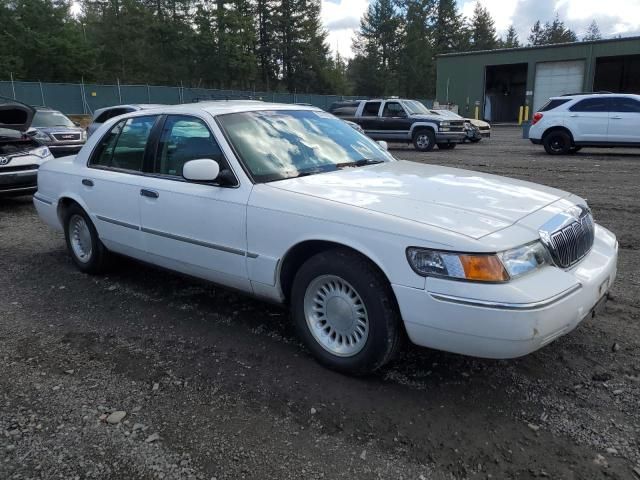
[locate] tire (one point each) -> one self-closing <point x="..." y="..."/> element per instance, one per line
<point x="424" y="140"/>
<point x="86" y="250"/>
<point x="446" y="146"/>
<point x="557" y="142"/>
<point x="344" y="295"/>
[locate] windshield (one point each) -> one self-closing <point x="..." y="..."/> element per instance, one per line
<point x="50" y="119"/>
<point x="279" y="144"/>
<point x="414" y="107"/>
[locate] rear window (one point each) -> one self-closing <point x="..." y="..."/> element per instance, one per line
<point x="551" y="104"/>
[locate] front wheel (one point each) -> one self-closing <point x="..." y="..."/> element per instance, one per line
<point x="557" y="143"/>
<point x="424" y="140"/>
<point x="85" y="248"/>
<point x="345" y="312"/>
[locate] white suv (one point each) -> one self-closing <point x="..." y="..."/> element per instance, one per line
<point x="568" y="123"/>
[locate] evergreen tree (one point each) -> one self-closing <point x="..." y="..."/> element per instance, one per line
<point x="417" y="67"/>
<point x="593" y="32"/>
<point x="450" y="31"/>
<point x="511" y="39"/>
<point x="482" y="29"/>
<point x="376" y="46"/>
<point x="557" y="32"/>
<point x="537" y="35"/>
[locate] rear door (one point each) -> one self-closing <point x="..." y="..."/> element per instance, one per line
<point x="111" y="183"/>
<point x="370" y="118"/>
<point x="589" y="119"/>
<point x="624" y="120"/>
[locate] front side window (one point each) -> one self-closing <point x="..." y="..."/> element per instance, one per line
<point x="123" y="147"/>
<point x="280" y="144"/>
<point x="592" y="105"/>
<point x="371" y="109"/>
<point x="45" y="118"/>
<point x="625" y="105"/>
<point x="185" y="138"/>
<point x="393" y="109"/>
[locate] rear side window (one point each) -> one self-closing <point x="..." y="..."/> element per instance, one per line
<point x="625" y="105"/>
<point x="124" y="145"/>
<point x="592" y="105"/>
<point x="551" y="104"/>
<point x="112" y="112"/>
<point x="185" y="138"/>
<point x="371" y="109"/>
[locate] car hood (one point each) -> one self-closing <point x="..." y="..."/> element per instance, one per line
<point x="464" y="202"/>
<point x="422" y="116"/>
<point x="15" y="115"/>
<point x="59" y="129"/>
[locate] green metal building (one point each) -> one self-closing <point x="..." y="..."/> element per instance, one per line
<point x="498" y="82"/>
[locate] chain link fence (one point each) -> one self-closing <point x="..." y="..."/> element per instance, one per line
<point x="85" y="98"/>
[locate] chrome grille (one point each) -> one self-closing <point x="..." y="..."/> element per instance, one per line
<point x="571" y="242"/>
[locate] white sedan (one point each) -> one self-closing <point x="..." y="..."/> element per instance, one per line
<point x="290" y="204"/>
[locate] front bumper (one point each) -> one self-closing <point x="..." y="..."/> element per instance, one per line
<point x="18" y="182"/>
<point x="450" y="137"/>
<point x="513" y="319"/>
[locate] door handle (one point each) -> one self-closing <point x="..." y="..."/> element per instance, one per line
<point x="616" y="118"/>
<point x="149" y="193"/>
<point x="574" y="115"/>
<point x="87" y="183"/>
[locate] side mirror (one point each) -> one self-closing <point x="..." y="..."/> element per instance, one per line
<point x="201" y="170"/>
<point x="383" y="144"/>
<point x="77" y="124"/>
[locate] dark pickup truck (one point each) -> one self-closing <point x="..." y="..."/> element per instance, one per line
<point x="402" y="120"/>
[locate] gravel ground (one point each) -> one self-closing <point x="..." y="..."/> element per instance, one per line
<point x="215" y="385"/>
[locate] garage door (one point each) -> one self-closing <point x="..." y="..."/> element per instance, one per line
<point x="557" y="78"/>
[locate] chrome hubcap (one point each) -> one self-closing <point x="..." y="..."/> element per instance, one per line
<point x="80" y="238"/>
<point x="336" y="315"/>
<point x="422" y="141"/>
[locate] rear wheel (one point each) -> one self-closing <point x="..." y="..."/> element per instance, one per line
<point x="424" y="140"/>
<point x="345" y="312"/>
<point x="85" y="248"/>
<point x="557" y="142"/>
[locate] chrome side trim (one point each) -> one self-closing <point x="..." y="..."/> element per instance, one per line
<point x="505" y="305"/>
<point x="200" y="243"/>
<point x="117" y="222"/>
<point x="40" y="199"/>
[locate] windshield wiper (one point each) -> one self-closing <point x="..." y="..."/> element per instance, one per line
<point x="359" y="163"/>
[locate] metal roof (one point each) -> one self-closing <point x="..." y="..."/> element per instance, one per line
<point x="540" y="47"/>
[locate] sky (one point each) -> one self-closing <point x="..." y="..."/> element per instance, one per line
<point x="615" y="17"/>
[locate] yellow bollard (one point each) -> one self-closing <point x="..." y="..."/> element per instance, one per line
<point x="526" y="112"/>
<point x="520" y="113"/>
<point x="477" y="112"/>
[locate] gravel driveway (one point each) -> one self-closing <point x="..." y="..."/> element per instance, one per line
<point x="144" y="374"/>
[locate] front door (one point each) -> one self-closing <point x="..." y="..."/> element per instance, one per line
<point x="624" y="120"/>
<point x="111" y="184"/>
<point x="195" y="228"/>
<point x="589" y="119"/>
<point x="395" y="121"/>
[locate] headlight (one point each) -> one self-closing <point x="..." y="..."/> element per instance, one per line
<point x="444" y="124"/>
<point x="479" y="267"/>
<point x="42" y="152"/>
<point x="521" y="260"/>
<point x="83" y="135"/>
<point x="461" y="266"/>
<point x="38" y="135"/>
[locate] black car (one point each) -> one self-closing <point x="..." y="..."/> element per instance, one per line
<point x="55" y="130"/>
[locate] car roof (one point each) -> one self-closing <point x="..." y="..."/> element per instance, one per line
<point x="572" y="96"/>
<point x="220" y="107"/>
